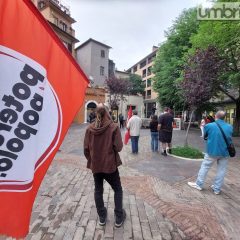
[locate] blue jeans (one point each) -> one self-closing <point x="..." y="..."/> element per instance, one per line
<point x="154" y="141"/>
<point x="134" y="141"/>
<point x="221" y="170"/>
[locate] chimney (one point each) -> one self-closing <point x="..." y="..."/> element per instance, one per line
<point x="154" y="48"/>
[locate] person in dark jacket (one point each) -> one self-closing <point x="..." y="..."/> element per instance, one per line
<point x="102" y="144"/>
<point x="165" y="127"/>
<point x="121" y="120"/>
<point x="154" y="133"/>
<point x="92" y="116"/>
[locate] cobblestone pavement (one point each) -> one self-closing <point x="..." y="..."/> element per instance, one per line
<point x="158" y="202"/>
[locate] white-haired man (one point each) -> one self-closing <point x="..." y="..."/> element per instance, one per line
<point x="134" y="125"/>
<point x="216" y="150"/>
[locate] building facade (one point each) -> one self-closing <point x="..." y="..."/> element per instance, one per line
<point x="143" y="68"/>
<point x="58" y="16"/>
<point x="93" y="96"/>
<point x="93" y="57"/>
<point x="121" y="74"/>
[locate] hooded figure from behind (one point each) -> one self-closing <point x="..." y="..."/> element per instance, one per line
<point x="102" y="144"/>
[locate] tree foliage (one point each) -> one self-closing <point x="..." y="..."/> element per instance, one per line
<point x="136" y="85"/>
<point x="169" y="62"/>
<point x="225" y="36"/>
<point x="201" y="76"/>
<point x="117" y="87"/>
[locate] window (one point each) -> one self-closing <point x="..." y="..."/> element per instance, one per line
<point x="142" y="64"/>
<point x="149" y="82"/>
<point x="151" y="58"/>
<point x="149" y="71"/>
<point x="101" y="71"/>
<point x="102" y="53"/>
<point x="55" y="20"/>
<point x="41" y="4"/>
<point x="144" y="73"/>
<point x="135" y="69"/>
<point x="63" y="26"/>
<point x="148" y="94"/>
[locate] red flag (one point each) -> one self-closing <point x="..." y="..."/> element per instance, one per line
<point x="42" y="87"/>
<point x="127" y="134"/>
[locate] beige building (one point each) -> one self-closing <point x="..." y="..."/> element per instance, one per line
<point x="121" y="74"/>
<point x="58" y="16"/>
<point x="143" y="68"/>
<point x="93" y="96"/>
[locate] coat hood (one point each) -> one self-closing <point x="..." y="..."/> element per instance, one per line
<point x="102" y="129"/>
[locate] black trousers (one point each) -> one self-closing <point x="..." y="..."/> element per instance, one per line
<point x="121" y="124"/>
<point x="114" y="180"/>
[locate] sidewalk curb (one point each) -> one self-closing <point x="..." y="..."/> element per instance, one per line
<point x="188" y="159"/>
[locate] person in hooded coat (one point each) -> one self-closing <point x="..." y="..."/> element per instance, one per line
<point x="102" y="144"/>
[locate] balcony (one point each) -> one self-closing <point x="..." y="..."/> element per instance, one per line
<point x="62" y="6"/>
<point x="57" y="3"/>
<point x="148" y="97"/>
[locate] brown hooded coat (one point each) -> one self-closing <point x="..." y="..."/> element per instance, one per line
<point x="101" y="147"/>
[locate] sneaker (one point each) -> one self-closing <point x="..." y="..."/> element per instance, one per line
<point x="215" y="192"/>
<point x="120" y="220"/>
<point x="194" y="185"/>
<point x="164" y="154"/>
<point x="102" y="219"/>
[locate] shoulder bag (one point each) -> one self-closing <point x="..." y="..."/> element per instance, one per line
<point x="230" y="147"/>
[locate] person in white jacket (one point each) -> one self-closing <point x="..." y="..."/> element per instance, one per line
<point x="202" y="124"/>
<point x="134" y="125"/>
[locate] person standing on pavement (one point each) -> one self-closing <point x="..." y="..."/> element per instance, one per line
<point x="202" y="124"/>
<point x="165" y="127"/>
<point x="154" y="133"/>
<point x="102" y="144"/>
<point x="121" y="120"/>
<point x="216" y="150"/>
<point x="92" y="116"/>
<point x="134" y="125"/>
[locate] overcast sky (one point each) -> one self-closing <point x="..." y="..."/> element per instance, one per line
<point x="130" y="27"/>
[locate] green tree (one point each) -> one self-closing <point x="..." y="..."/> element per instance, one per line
<point x="225" y="36"/>
<point x="136" y="85"/>
<point x="169" y="61"/>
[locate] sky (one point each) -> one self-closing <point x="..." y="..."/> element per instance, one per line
<point x="130" y="27"/>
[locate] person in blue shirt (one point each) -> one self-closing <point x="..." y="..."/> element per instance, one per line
<point x="216" y="150"/>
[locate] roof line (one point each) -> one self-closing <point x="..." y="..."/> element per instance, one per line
<point x="142" y="59"/>
<point x="92" y="40"/>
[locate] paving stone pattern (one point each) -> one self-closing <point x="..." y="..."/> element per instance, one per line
<point x="158" y="202"/>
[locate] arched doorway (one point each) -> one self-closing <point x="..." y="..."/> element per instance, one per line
<point x="89" y="106"/>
